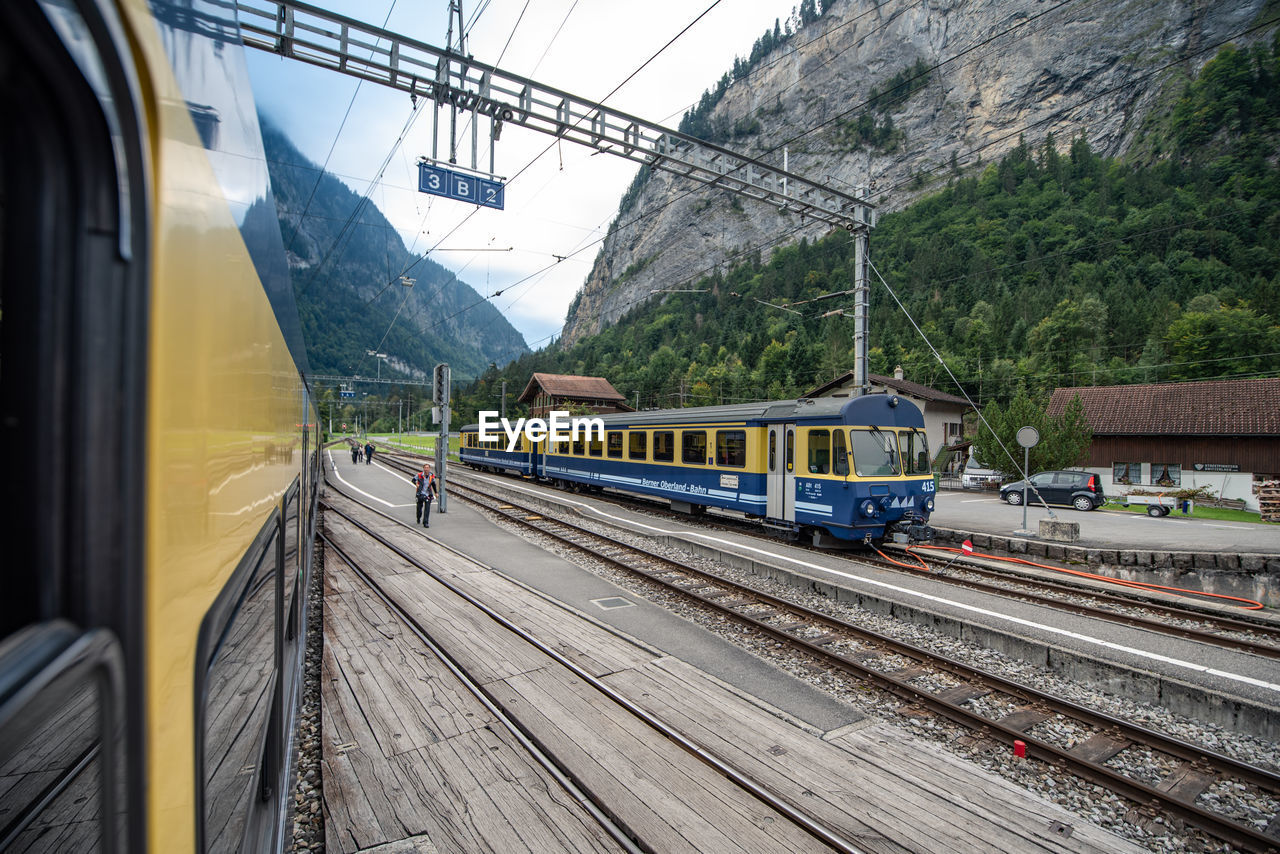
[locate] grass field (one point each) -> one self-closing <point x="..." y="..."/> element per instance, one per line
<point x="1198" y="511"/>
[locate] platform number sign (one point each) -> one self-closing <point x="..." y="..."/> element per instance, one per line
<point x="473" y="189"/>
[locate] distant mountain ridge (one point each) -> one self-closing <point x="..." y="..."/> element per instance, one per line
<point x="346" y="278"/>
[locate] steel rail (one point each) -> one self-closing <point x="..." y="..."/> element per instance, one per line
<point x="1265" y="650"/>
<point x="776" y="802"/>
<point x="609" y="823"/>
<point x="1221" y="827"/>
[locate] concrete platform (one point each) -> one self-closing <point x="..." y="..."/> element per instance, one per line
<point x="1213" y="684"/>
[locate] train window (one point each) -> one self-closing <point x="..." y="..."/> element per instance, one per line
<point x="615" y="443"/>
<point x="236" y="673"/>
<point x="874" y="453"/>
<point x="915" y="452"/>
<point x="693" y="447"/>
<point x="664" y="446"/>
<point x="773" y="451"/>
<point x="637" y="442"/>
<point x="596" y="448"/>
<point x="562" y="447"/>
<point x="791" y="450"/>
<point x="579" y="446"/>
<point x="731" y="448"/>
<point x="840" y="453"/>
<point x="59" y="760"/>
<point x="819" y="451"/>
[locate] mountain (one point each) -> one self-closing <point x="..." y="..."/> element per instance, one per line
<point x="346" y="262"/>
<point x="902" y="98"/>
<point x="1052" y="266"/>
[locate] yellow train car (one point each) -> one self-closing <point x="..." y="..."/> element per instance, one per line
<point x="164" y="447"/>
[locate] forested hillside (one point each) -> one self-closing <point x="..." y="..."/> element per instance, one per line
<point x="346" y="261"/>
<point x="1052" y="267"/>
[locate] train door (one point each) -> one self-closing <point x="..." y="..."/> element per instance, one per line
<point x="781" y="472"/>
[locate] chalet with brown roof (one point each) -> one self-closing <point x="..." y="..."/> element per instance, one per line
<point x="1220" y="434"/>
<point x="547" y="392"/>
<point x="943" y="413"/>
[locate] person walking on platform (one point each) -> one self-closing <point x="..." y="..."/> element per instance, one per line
<point x="355" y="454"/>
<point x="368" y="453"/>
<point x="425" y="481"/>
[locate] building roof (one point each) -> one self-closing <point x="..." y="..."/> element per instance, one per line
<point x="567" y="385"/>
<point x="1211" y="408"/>
<point x="923" y="392"/>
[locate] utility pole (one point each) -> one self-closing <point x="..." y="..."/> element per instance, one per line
<point x="504" y="399"/>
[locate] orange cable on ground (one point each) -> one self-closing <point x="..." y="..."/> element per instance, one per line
<point x="905" y="565"/>
<point x="1247" y="604"/>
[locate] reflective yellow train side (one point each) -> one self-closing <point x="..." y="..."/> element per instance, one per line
<point x="169" y="624"/>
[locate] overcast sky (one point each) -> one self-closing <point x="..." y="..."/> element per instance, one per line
<point x="565" y="201"/>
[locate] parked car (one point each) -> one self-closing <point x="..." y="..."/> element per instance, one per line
<point x="977" y="476"/>
<point x="1079" y="489"/>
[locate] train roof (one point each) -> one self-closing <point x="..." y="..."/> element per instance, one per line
<point x="884" y="410"/>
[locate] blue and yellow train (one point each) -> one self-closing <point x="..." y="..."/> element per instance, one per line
<point x="848" y="469"/>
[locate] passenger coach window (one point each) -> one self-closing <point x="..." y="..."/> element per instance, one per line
<point x="874" y="453"/>
<point x="731" y="448"/>
<point x="636" y="444"/>
<point x="664" y="446"/>
<point x="615" y="444"/>
<point x="915" y="452"/>
<point x="819" y="451"/>
<point x="596" y="448"/>
<point x="579" y="446"/>
<point x="693" y="447"/>
<point x="841" y="454"/>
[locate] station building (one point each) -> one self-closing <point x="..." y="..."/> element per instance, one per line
<point x="1221" y="434"/>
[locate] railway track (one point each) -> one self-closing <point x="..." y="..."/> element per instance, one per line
<point x="629" y="839"/>
<point x="925" y="682"/>
<point x="1194" y="623"/>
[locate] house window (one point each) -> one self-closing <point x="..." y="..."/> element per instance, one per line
<point x="1166" y="474"/>
<point x="1126" y="472"/>
<point x="954" y="430"/>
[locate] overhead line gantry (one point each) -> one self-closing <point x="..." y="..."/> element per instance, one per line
<point x="328" y="40"/>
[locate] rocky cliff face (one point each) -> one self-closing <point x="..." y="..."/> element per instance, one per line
<point x="1081" y="67"/>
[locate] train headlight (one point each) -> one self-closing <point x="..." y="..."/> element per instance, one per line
<point x="928" y="505"/>
<point x="869" y="508"/>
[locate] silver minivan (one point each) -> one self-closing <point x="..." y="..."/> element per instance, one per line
<point x="978" y="476"/>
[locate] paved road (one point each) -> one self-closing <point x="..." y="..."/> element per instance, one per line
<point x="1119" y="529"/>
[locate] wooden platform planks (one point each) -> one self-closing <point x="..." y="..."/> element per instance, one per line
<point x="672" y="800"/>
<point x="883" y="796"/>
<point x="451" y="777"/>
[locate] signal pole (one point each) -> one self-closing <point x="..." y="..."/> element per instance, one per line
<point x="441" y="397"/>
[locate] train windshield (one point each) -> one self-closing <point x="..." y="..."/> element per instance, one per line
<point x="875" y="453"/>
<point x="915" y="452"/>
